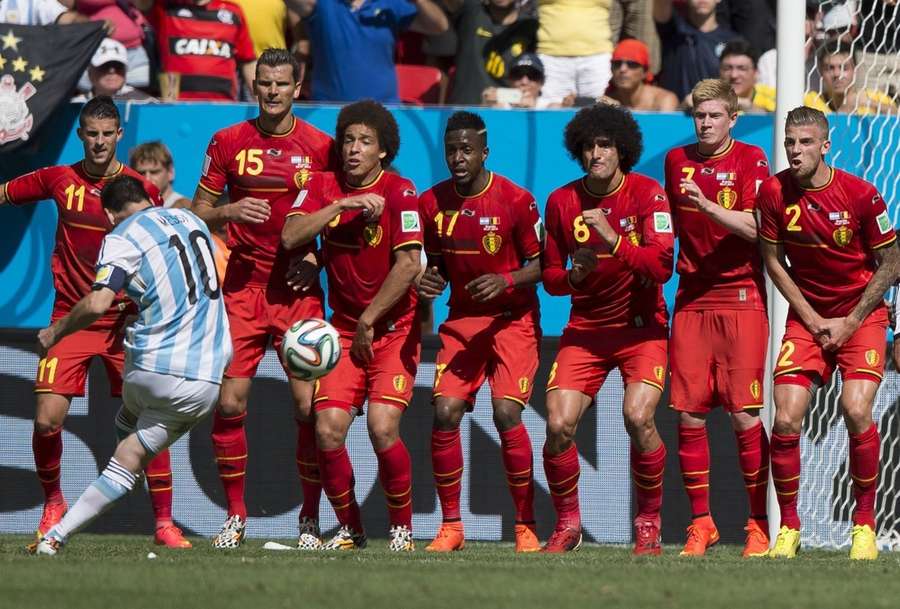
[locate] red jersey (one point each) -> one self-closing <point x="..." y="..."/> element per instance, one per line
<point x="204" y="44"/>
<point x="829" y="235"/>
<point x="717" y="269"/>
<point x="625" y="289"/>
<point x="493" y="231"/>
<point x="359" y="254"/>
<point x="80" y="229"/>
<point x="251" y="162"/>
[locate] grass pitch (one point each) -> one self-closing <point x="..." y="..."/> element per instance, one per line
<point x="99" y="571"/>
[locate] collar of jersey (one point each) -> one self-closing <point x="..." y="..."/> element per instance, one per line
<point x="486" y="188"/>
<point x="96" y="177"/>
<point x="364" y="186"/>
<point x="270" y="134"/>
<point x="823" y="186"/>
<point x="716" y="156"/>
<point x="596" y="195"/>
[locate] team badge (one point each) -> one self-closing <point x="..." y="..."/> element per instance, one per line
<point x="872" y="357"/>
<point x="492" y="242"/>
<point x="372" y="233"/>
<point x="658" y="372"/>
<point x="842" y="236"/>
<point x="301" y="178"/>
<point x="726" y="197"/>
<point x="755" y="389"/>
<point x="634" y="238"/>
<point x="523" y="384"/>
<point x="400" y="382"/>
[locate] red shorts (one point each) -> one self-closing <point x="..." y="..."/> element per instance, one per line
<point x="255" y="314"/>
<point x="586" y="357"/>
<point x="66" y="366"/>
<point x="388" y="378"/>
<point x="505" y="350"/>
<point x="801" y="359"/>
<point x="718" y="357"/>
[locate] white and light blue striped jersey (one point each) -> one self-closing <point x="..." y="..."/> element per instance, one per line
<point x="164" y="259"/>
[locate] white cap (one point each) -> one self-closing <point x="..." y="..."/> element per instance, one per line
<point x="110" y="50"/>
<point x="840" y="17"/>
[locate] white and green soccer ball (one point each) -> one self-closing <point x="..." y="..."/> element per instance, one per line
<point x="311" y="348"/>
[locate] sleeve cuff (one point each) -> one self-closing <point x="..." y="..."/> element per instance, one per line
<point x="210" y="190"/>
<point x="615" y="248"/>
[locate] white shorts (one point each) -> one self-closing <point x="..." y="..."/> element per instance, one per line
<point x="586" y="76"/>
<point x="161" y="408"/>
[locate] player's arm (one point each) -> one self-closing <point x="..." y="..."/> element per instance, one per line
<point x="432" y="281"/>
<point x="403" y="273"/>
<point x="776" y="266"/>
<point x="736" y="221"/>
<point x="301" y="228"/>
<point x="430" y="18"/>
<point x="491" y="285"/>
<point x="88" y="310"/>
<point x="248" y="210"/>
<point x="557" y="279"/>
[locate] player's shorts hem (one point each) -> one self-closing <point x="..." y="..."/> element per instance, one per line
<point x="391" y="400"/>
<point x="513" y="398"/>
<point x="798" y="376"/>
<point x="787" y="371"/>
<point x="861" y="374"/>
<point x="67" y="394"/>
<point x="468" y="399"/>
<point x="326" y="404"/>
<point x="653" y="384"/>
<point x="748" y="407"/>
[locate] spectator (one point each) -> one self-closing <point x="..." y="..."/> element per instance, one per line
<point x="631" y="78"/>
<point x="768" y="61"/>
<point x="634" y="19"/>
<point x="202" y="43"/>
<point x="575" y="43"/>
<point x="737" y="66"/>
<point x="491" y="34"/>
<point x="691" y="44"/>
<point x="106" y="74"/>
<point x="752" y="20"/>
<point x="352" y="44"/>
<point x="837" y="68"/>
<point x="153" y="160"/>
<point x="38" y="12"/>
<point x="268" y="23"/>
<point x="524" y="84"/>
<point x="127" y="29"/>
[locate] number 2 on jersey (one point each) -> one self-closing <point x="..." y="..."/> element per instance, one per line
<point x="794" y="212"/>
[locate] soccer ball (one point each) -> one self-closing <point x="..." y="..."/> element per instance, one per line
<point x="311" y="348"/>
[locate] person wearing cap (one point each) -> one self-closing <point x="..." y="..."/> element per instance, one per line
<point x="631" y="80"/>
<point x="526" y="75"/>
<point x="107" y="74"/>
<point x="837" y="68"/>
<point x="738" y="66"/>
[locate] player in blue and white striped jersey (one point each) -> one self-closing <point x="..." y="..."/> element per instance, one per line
<point x="176" y="351"/>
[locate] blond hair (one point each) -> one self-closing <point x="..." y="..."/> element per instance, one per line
<point x="715" y="88"/>
<point x="804" y="115"/>
<point x="150" y="152"/>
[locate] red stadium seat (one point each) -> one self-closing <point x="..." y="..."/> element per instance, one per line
<point x="420" y="84"/>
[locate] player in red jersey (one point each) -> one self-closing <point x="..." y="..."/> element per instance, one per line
<point x="264" y="163"/>
<point x="615" y="227"/>
<point x="717" y="352"/>
<point x="62" y="373"/>
<point x="372" y="242"/>
<point x="835" y="230"/>
<point x="483" y="234"/>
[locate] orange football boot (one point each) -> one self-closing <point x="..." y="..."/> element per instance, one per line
<point x="526" y="538"/>
<point x="757" y="543"/>
<point x="450" y="538"/>
<point x="171" y="536"/>
<point x="53" y="513"/>
<point x="702" y="534"/>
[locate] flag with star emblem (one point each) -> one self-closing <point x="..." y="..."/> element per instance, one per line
<point x="39" y="66"/>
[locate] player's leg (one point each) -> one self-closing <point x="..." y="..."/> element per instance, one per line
<point x="307" y="465"/>
<point x="229" y="441"/>
<point x="333" y="421"/>
<point x="394" y="471"/>
<point x="693" y="456"/>
<point x="46" y="443"/>
<point x="648" y="461"/>
<point x="447" y="466"/>
<point x="753" y="456"/>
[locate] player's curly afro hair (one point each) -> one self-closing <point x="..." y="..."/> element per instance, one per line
<point x="605" y="120"/>
<point x="371" y="114"/>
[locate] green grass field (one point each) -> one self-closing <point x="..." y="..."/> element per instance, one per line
<point x="113" y="572"/>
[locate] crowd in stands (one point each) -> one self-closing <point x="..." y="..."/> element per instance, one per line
<point x="643" y="54"/>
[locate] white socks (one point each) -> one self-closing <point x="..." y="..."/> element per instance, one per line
<point x="113" y="483"/>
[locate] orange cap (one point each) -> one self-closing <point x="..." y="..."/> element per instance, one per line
<point x="632" y="50"/>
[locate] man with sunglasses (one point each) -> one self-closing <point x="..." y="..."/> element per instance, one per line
<point x="630" y="85"/>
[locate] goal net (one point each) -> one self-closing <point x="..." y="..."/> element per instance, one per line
<point x="865" y="133"/>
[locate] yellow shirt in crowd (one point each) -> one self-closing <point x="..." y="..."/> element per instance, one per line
<point x="267" y="20"/>
<point x="869" y="102"/>
<point x="574" y="28"/>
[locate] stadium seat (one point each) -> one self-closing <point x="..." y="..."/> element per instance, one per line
<point x="420" y="84"/>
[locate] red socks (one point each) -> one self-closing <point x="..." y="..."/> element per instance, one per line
<point x="786" y="474"/>
<point x="395" y="474"/>
<point x="159" y="482"/>
<point x="47" y="449"/>
<point x="230" y="445"/>
<point x="447" y="466"/>
<point x="517" y="461"/>
<point x="693" y="454"/>
<point x="308" y="469"/>
<point x="647" y="473"/>
<point x="864" y="463"/>
<point x="337" y="482"/>
<point x="753" y="455"/>
<point x="562" y="472"/>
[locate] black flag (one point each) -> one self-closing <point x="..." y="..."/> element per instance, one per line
<point x="39" y="66"/>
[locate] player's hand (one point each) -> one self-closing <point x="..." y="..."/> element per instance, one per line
<point x="837" y="331"/>
<point x="46" y="339"/>
<point x="371" y="204"/>
<point x="584" y="261"/>
<point x="596" y="219"/>
<point x="303" y="272"/>
<point x="361" y="348"/>
<point x="487" y="287"/>
<point x="250" y="210"/>
<point x="690" y="189"/>
<point x="431" y="284"/>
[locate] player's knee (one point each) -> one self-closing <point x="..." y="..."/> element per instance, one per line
<point x="303" y="412"/>
<point x="231" y="404"/>
<point x="447" y="415"/>
<point x="857" y="414"/>
<point x="785" y="424"/>
<point x="45" y="424"/>
<point x="383" y="434"/>
<point x="560" y="430"/>
<point x="328" y="436"/>
<point x="638" y="421"/>
<point x="507" y="416"/>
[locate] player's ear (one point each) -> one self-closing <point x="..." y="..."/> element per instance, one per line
<point x="382" y="154"/>
<point x="826" y="146"/>
<point x="119" y="133"/>
<point x="484" y="153"/>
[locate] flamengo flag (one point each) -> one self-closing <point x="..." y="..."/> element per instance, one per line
<point x="39" y="66"/>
